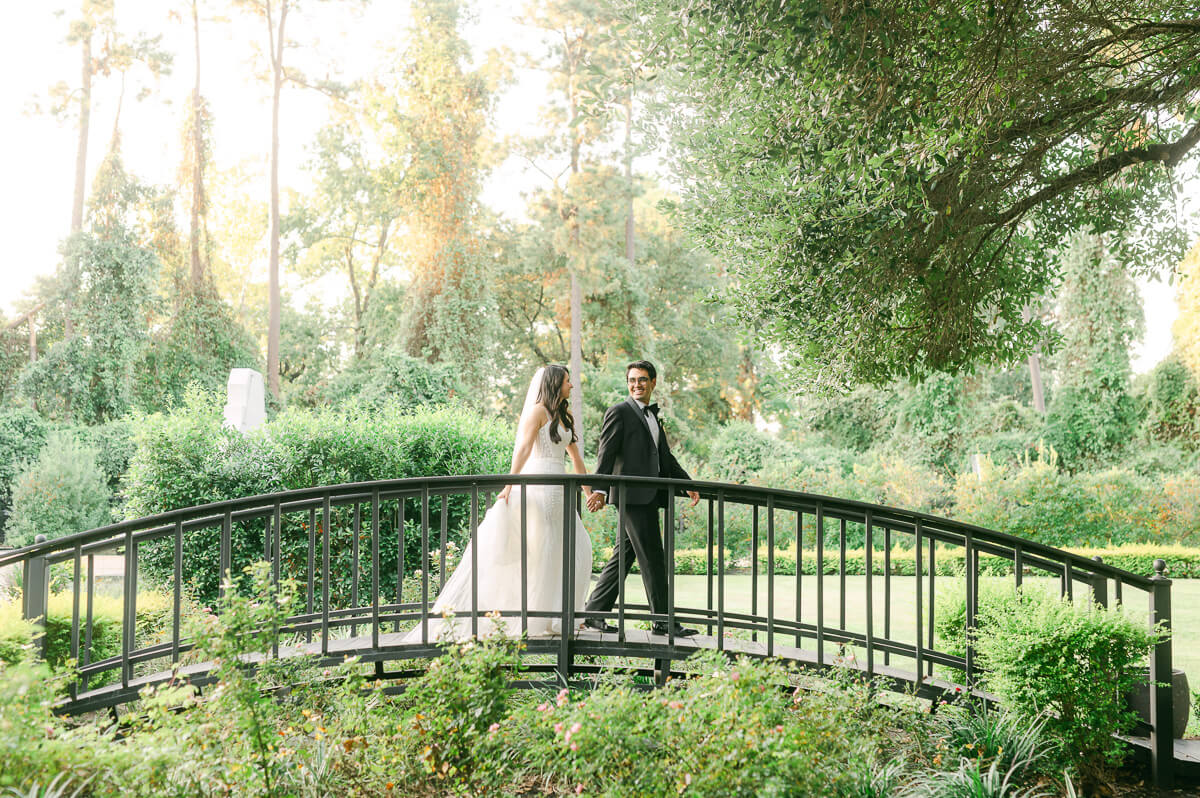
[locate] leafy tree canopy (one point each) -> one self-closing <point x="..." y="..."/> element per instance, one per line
<point x="890" y="180"/>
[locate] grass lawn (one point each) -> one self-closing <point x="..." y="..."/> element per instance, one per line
<point x="691" y="591"/>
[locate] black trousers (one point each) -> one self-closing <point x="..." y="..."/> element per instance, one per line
<point x="639" y="537"/>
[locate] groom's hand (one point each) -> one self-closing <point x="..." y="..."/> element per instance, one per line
<point x="596" y="502"/>
<point x="694" y="496"/>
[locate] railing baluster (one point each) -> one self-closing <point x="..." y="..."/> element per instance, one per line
<point x="917" y="648"/>
<point x="401" y="547"/>
<point x="868" y="553"/>
<point x="567" y="607"/>
<point x="374" y="568"/>
<point x="474" y="543"/>
<point x="87" y="630"/>
<point x="310" y="588"/>
<point x="972" y="564"/>
<point x="1018" y="565"/>
<point x="819" y="519"/>
<point x="771" y="576"/>
<point x="669" y="540"/>
<point x="623" y="568"/>
<point x="932" y="594"/>
<point x="524" y="563"/>
<point x="276" y="555"/>
<point x="443" y="538"/>
<point x="842" y="574"/>
<point x="177" y="592"/>
<point x="887" y="591"/>
<point x="709" y="570"/>
<point x="1068" y="581"/>
<point x="129" y="619"/>
<point x="754" y="573"/>
<point x="799" y="573"/>
<point x="226" y="558"/>
<point x="1099" y="585"/>
<point x="425" y="563"/>
<point x="75" y="578"/>
<point x="720" y="570"/>
<point x="354" y="568"/>
<point x="326" y="534"/>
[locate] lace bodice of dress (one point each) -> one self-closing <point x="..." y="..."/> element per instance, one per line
<point x="547" y="452"/>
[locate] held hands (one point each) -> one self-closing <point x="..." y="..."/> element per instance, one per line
<point x="694" y="496"/>
<point x="504" y="493"/>
<point x="596" y="501"/>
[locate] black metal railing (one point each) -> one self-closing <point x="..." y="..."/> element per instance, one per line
<point x="363" y="554"/>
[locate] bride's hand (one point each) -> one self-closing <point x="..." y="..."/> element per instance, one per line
<point x="504" y="493"/>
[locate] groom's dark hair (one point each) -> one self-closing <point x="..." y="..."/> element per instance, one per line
<point x="644" y="365"/>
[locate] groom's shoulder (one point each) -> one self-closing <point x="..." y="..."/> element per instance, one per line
<point x="617" y="408"/>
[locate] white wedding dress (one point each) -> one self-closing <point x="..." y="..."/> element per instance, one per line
<point x="498" y="539"/>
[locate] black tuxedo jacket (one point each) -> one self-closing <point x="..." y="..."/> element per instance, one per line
<point x="626" y="447"/>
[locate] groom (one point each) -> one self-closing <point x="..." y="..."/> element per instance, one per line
<point x="634" y="444"/>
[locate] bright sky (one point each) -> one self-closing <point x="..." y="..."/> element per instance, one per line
<point x="39" y="152"/>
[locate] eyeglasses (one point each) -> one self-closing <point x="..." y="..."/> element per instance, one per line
<point x="638" y="380"/>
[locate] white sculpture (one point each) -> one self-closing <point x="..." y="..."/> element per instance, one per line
<point x="246" y="408"/>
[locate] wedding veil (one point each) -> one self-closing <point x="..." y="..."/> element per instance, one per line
<point x="531" y="397"/>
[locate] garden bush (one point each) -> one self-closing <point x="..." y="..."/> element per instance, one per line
<point x="1172" y="400"/>
<point x="22" y="435"/>
<point x="187" y="458"/>
<point x="60" y="493"/>
<point x="1067" y="663"/>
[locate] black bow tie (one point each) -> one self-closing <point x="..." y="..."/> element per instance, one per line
<point x="650" y="409"/>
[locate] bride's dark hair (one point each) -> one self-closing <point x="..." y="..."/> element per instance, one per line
<point x="560" y="409"/>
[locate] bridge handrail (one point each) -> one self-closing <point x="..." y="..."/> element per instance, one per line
<point x="265" y="503"/>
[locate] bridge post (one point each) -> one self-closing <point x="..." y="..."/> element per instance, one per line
<point x="36" y="595"/>
<point x="1100" y="586"/>
<point x="1162" y="704"/>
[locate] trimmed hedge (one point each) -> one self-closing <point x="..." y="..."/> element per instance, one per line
<point x="187" y="457"/>
<point x="1182" y="562"/>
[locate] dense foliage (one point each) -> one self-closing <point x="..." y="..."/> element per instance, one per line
<point x="740" y="727"/>
<point x="61" y="493"/>
<point x="889" y="181"/>
<point x="187" y="457"/>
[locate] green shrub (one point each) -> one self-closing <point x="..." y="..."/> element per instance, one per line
<point x="1172" y="401"/>
<point x="16" y="633"/>
<point x="114" y="445"/>
<point x="455" y="703"/>
<point x="740" y="450"/>
<point x="1072" y="664"/>
<point x="22" y="436"/>
<point x="1036" y="500"/>
<point x="61" y="493"/>
<point x="187" y="458"/>
<point x="730" y="731"/>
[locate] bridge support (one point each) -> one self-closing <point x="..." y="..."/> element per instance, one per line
<point x="1162" y="704"/>
<point x="36" y="593"/>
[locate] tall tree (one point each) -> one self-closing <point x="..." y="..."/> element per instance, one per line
<point x="440" y="114"/>
<point x="1093" y="414"/>
<point x="104" y="51"/>
<point x="348" y="223"/>
<point x="1186" y="329"/>
<point x="888" y="178"/>
<point x="582" y="61"/>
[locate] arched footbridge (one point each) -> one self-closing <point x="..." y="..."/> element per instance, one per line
<point x="818" y="581"/>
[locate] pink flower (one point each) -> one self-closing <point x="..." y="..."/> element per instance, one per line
<point x="495" y="727"/>
<point x="562" y="697"/>
<point x="574" y="746"/>
<point x="676" y="705"/>
<point x="578" y="789"/>
<point x="576" y="727"/>
<point x="558" y="728"/>
<point x="779" y="728"/>
<point x="542" y="707"/>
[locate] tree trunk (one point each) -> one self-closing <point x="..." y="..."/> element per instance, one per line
<point x="576" y="364"/>
<point x="85" y="114"/>
<point x="1035" y="380"/>
<point x="197" y="270"/>
<point x="274" y="300"/>
<point x="629" y="230"/>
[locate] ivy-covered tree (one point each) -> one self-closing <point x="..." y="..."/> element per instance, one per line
<point x="1093" y="415"/>
<point x="1186" y="329"/>
<point x="887" y="179"/>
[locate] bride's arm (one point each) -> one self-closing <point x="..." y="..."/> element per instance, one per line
<point x="577" y="462"/>
<point x="526" y="435"/>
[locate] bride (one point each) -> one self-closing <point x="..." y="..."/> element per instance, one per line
<point x="545" y="433"/>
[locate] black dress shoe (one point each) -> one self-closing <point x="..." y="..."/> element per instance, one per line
<point x="599" y="625"/>
<point x="680" y="631"/>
